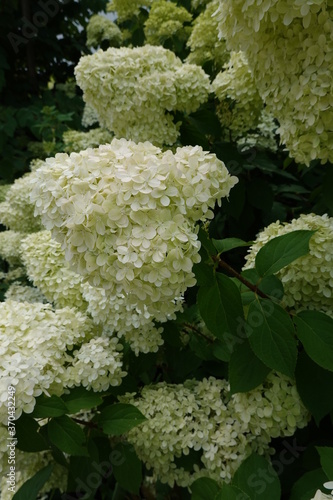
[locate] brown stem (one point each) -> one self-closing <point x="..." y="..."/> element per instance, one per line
<point x="254" y="288"/>
<point x="194" y="329"/>
<point x="83" y="422"/>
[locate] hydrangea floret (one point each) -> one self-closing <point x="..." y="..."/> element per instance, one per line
<point x="134" y="90"/>
<point x="308" y="281"/>
<point x="126" y="9"/>
<point x="204" y="41"/>
<point x="236" y="87"/>
<point x="49" y="271"/>
<point x="10" y="243"/>
<point x="76" y="140"/>
<point x="202" y="417"/>
<point x="17" y="212"/>
<point x="125" y="215"/>
<point x="100" y="29"/>
<point x="37" y="353"/>
<point x="166" y="19"/>
<point x="299" y="95"/>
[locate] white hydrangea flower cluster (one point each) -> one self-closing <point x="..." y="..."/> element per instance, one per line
<point x="204" y="42"/>
<point x="236" y="86"/>
<point x="27" y="465"/>
<point x="125" y="214"/>
<point x="76" y="141"/>
<point x="35" y="350"/>
<point x="166" y="20"/>
<point x="100" y="29"/>
<point x="201" y="416"/>
<point x="49" y="271"/>
<point x="134" y="90"/>
<point x="308" y="281"/>
<point x="126" y="9"/>
<point x="17" y="212"/>
<point x="22" y="293"/>
<point x="264" y="136"/>
<point x="273" y="33"/>
<point x="97" y="365"/>
<point x="10" y="242"/>
<point x="195" y="4"/>
<point x="130" y="226"/>
<point x="126" y="318"/>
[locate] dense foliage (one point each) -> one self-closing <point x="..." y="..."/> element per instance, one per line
<point x="166" y="311"/>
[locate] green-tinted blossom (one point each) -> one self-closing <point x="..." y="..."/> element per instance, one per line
<point x="235" y="87"/>
<point x="126" y="9"/>
<point x="17" y="212"/>
<point x="204" y="41"/>
<point x="10" y="243"/>
<point x="133" y="91"/>
<point x="49" y="271"/>
<point x="22" y="293"/>
<point x="308" y="281"/>
<point x="99" y="29"/>
<point x="289" y="48"/>
<point x="166" y="20"/>
<point x="77" y="141"/>
<point x="202" y="417"/>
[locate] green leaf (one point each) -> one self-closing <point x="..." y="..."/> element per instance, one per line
<point x="67" y="436"/>
<point x="272" y="286"/>
<point x="128" y="472"/>
<point x="257" y="478"/>
<point x="49" y="407"/>
<point x="306" y="487"/>
<point x="246" y="371"/>
<point x="229" y="244"/>
<point x="271" y="335"/>
<point x="315" y="386"/>
<point x="229" y="492"/>
<point x="221" y="307"/>
<point x="326" y="459"/>
<point x="30" y="489"/>
<point x="204" y="488"/>
<point x="28" y="436"/>
<point x="80" y="398"/>
<point x="120" y="418"/>
<point x="281" y="251"/>
<point x="314" y="329"/>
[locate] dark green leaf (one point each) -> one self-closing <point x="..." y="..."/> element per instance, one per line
<point x="120" y="418"/>
<point x="229" y="492"/>
<point x="221" y="307"/>
<point x="128" y="471"/>
<point x="246" y="371"/>
<point x="49" y="407"/>
<point x="272" y="286"/>
<point x="204" y="489"/>
<point x="315" y="330"/>
<point x="229" y="244"/>
<point x="281" y="251"/>
<point x="306" y="487"/>
<point x="271" y="335"/>
<point x="28" y="436"/>
<point x="80" y="398"/>
<point x="326" y="459"/>
<point x="67" y="436"/>
<point x="30" y="489"/>
<point x="258" y="479"/>
<point x="315" y="386"/>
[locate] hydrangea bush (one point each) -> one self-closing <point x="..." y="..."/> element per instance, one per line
<point x="166" y="312"/>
